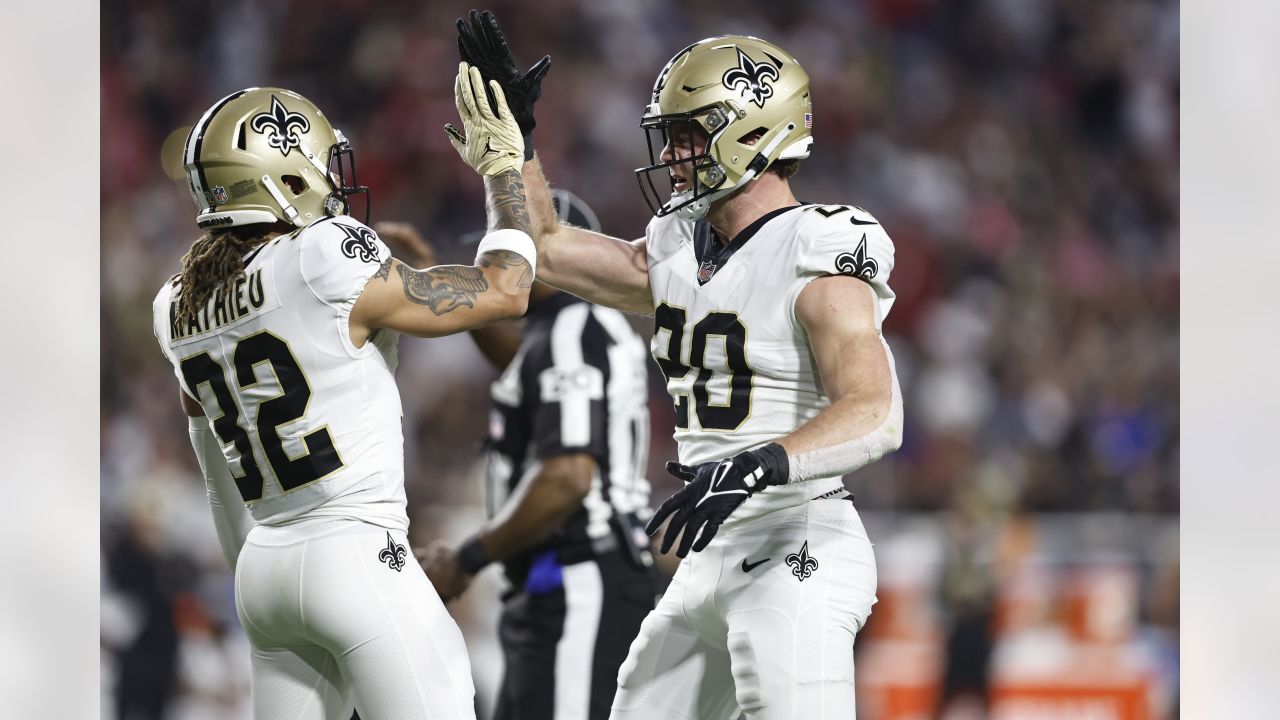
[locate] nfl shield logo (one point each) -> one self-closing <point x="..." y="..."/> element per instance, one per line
<point x="705" y="271"/>
<point x="219" y="194"/>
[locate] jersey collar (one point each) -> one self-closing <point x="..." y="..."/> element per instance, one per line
<point x="712" y="256"/>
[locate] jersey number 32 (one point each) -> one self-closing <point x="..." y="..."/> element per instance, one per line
<point x="286" y="406"/>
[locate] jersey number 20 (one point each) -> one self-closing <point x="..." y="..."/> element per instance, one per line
<point x="711" y="416"/>
<point x="286" y="406"/>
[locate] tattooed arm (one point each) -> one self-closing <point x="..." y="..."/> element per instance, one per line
<point x="505" y="202"/>
<point x="448" y="299"/>
<point x="498" y="342"/>
<point x="442" y="300"/>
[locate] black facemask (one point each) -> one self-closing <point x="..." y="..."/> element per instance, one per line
<point x="342" y="162"/>
<point x="658" y="132"/>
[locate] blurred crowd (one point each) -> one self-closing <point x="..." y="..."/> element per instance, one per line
<point x="1022" y="154"/>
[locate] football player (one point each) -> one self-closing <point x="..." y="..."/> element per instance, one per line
<point x="768" y="315"/>
<point x="282" y="329"/>
<point x="567" y="448"/>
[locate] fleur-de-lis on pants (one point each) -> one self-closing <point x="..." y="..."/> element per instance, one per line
<point x="802" y="566"/>
<point x="393" y="554"/>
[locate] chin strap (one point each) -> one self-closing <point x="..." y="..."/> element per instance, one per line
<point x="697" y="209"/>
<point x="290" y="211"/>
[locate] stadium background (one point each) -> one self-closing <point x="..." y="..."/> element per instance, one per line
<point x="1023" y="155"/>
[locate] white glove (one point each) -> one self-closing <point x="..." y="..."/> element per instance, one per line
<point x="490" y="144"/>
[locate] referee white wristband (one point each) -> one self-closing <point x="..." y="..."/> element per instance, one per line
<point x="513" y="240"/>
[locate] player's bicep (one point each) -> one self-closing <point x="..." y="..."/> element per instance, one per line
<point x="443" y="299"/>
<point x="606" y="270"/>
<point x="838" y="313"/>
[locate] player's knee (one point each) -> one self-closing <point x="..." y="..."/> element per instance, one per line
<point x="745" y="666"/>
<point x="628" y="673"/>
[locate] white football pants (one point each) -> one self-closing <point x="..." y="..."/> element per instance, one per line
<point x="761" y="621"/>
<point x="333" y="623"/>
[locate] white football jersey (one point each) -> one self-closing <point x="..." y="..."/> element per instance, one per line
<point x="737" y="362"/>
<point x="309" y="424"/>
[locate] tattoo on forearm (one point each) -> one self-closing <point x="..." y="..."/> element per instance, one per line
<point x="384" y="270"/>
<point x="508" y="260"/>
<point x="445" y="288"/>
<point x="506" y="202"/>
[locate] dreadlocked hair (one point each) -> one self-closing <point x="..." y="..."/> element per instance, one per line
<point x="216" y="258"/>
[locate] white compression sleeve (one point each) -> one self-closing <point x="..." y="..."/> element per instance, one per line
<point x="517" y="241"/>
<point x="230" y="518"/>
<point x="846" y="457"/>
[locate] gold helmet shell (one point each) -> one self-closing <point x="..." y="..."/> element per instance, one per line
<point x="263" y="155"/>
<point x="748" y="95"/>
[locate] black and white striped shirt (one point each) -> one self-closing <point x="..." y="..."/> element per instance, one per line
<point x="577" y="384"/>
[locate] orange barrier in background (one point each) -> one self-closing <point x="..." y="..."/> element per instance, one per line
<point x="1065" y="701"/>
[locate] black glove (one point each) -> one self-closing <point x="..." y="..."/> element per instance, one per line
<point x="482" y="45"/>
<point x="712" y="491"/>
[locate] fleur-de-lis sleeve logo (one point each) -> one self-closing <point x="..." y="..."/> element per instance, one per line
<point x="359" y="243"/>
<point x="393" y="554"/>
<point x="281" y="126"/>
<point x="857" y="263"/>
<point x="802" y="566"/>
<point x="751" y="77"/>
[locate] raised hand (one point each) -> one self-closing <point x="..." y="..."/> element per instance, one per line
<point x="482" y="44"/>
<point x="490" y="140"/>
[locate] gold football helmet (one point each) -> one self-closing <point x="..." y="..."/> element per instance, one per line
<point x="266" y="154"/>
<point x="749" y="96"/>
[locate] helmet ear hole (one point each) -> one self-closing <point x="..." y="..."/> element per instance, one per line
<point x="295" y="183"/>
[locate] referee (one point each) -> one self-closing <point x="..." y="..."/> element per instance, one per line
<point x="567" y="499"/>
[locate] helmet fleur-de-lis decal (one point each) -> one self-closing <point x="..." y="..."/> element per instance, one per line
<point x="751" y="77"/>
<point x="393" y="554"/>
<point x="281" y="126"/>
<point x="857" y="263"/>
<point x="802" y="566"/>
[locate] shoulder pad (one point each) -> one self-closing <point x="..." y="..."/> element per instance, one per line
<point x="337" y="256"/>
<point x="665" y="235"/>
<point x="846" y="240"/>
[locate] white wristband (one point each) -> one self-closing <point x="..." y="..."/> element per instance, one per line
<point x="511" y="239"/>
